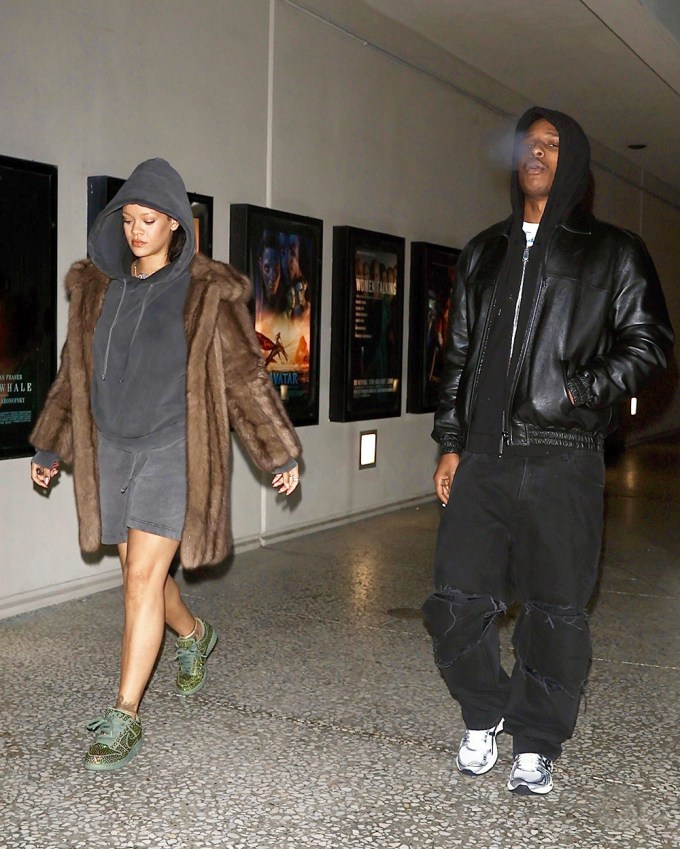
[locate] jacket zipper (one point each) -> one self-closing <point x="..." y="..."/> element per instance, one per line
<point x="485" y="335"/>
<point x="515" y="320"/>
<point x="505" y="438"/>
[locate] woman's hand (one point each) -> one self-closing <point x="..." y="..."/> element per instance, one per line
<point x="42" y="475"/>
<point x="287" y="481"/>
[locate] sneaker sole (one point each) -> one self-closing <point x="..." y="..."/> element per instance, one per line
<point x="94" y="767"/>
<point x="528" y="790"/>
<point x="211" y="646"/>
<point x="466" y="770"/>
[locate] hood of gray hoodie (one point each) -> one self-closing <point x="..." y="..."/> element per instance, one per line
<point x="153" y="183"/>
<point x="139" y="346"/>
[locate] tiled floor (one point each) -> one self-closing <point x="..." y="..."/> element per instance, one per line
<point x="324" y="722"/>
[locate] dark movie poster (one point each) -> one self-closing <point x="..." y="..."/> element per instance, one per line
<point x="374" y="366"/>
<point x="28" y="297"/>
<point x="281" y="253"/>
<point x="433" y="272"/>
<point x="366" y="346"/>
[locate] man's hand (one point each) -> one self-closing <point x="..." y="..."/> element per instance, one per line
<point x="443" y="477"/>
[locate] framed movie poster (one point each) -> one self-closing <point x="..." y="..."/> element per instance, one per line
<point x="366" y="332"/>
<point x="28" y="298"/>
<point x="433" y="271"/>
<point x="281" y="253"/>
<point x="100" y="190"/>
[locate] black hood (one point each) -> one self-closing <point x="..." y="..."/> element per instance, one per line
<point x="572" y="176"/>
<point x="155" y="184"/>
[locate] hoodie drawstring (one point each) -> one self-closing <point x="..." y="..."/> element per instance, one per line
<point x="134" y="332"/>
<point x="113" y="324"/>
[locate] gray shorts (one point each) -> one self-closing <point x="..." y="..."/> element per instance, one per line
<point x="146" y="490"/>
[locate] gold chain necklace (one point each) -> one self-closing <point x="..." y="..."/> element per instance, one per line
<point x="141" y="274"/>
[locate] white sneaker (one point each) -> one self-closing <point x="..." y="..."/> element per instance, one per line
<point x="478" y="752"/>
<point x="530" y="773"/>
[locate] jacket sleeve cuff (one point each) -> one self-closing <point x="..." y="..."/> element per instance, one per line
<point x="288" y="466"/>
<point x="450" y="444"/>
<point x="580" y="387"/>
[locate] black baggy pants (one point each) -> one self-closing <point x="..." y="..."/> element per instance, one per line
<point x="526" y="529"/>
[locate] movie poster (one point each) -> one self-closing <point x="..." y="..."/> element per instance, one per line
<point x="281" y="254"/>
<point x="438" y="307"/>
<point x="366" y="338"/>
<point x="433" y="272"/>
<point x="28" y="218"/>
<point x="376" y="370"/>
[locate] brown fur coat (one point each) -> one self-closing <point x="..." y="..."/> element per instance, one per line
<point x="227" y="384"/>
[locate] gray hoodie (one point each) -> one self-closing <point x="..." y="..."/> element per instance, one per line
<point x="139" y="346"/>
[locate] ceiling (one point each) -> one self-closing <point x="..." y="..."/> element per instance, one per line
<point x="609" y="63"/>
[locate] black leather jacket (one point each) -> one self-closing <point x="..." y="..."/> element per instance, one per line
<point x="598" y="329"/>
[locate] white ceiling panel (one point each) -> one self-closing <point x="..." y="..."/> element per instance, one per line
<point x="608" y="63"/>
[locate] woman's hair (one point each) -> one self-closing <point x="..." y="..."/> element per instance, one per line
<point x="177" y="242"/>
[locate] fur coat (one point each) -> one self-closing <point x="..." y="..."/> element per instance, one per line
<point x="226" y="385"/>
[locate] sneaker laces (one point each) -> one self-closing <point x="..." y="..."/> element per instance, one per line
<point x="476" y="740"/>
<point x="107" y="728"/>
<point x="187" y="656"/>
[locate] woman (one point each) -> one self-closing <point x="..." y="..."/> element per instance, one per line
<point x="160" y="360"/>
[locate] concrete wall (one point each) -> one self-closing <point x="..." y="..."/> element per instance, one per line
<point x="266" y="103"/>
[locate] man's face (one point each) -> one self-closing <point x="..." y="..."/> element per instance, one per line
<point x="294" y="256"/>
<point x="537" y="162"/>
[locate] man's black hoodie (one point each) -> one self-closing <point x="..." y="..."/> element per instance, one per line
<point x="568" y="190"/>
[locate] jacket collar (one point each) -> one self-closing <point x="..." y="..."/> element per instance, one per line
<point x="232" y="285"/>
<point x="578" y="221"/>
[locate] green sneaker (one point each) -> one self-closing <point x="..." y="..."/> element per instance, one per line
<point x="192" y="655"/>
<point x="119" y="738"/>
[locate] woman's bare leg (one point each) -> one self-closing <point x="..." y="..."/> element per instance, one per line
<point x="145" y="561"/>
<point x="177" y="614"/>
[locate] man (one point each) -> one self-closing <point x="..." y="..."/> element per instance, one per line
<point x="556" y="317"/>
<point x="297" y="281"/>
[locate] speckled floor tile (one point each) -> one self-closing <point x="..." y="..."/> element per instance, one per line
<point x="324" y="722"/>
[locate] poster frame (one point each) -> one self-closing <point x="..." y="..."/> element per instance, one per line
<point x="34" y="325"/>
<point x="346" y="369"/>
<point x="249" y="226"/>
<point x="427" y="332"/>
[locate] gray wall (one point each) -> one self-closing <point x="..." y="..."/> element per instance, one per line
<point x="260" y="102"/>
